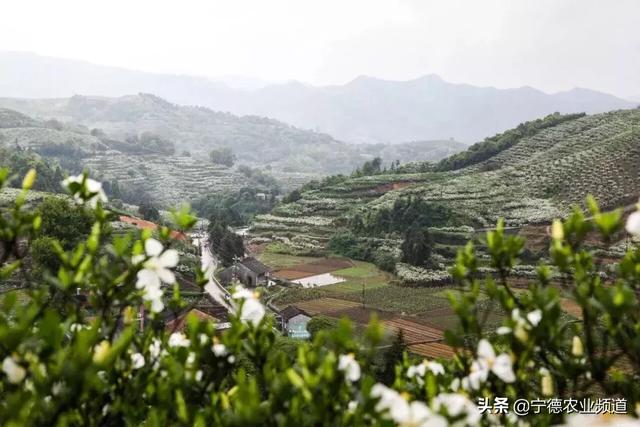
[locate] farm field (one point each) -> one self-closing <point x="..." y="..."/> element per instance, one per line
<point x="421" y="337"/>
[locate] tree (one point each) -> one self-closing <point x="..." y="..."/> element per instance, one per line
<point x="321" y="323"/>
<point x="385" y="368"/>
<point x="416" y="247"/>
<point x="293" y="196"/>
<point x="223" y="156"/>
<point x="44" y="255"/>
<point x="149" y="212"/>
<point x="230" y="248"/>
<point x="64" y="222"/>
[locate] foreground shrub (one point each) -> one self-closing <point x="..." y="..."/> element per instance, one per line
<point x="66" y="363"/>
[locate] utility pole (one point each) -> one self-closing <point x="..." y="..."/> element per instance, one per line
<point x="364" y="283"/>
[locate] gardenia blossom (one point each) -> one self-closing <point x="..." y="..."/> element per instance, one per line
<point x="94" y="188"/>
<point x="486" y="362"/>
<point x="15" y="373"/>
<point x="220" y="350"/>
<point x="420" y="370"/>
<point x="633" y="223"/>
<point x="156" y="269"/>
<point x="402" y="412"/>
<point x="252" y="310"/>
<point x="137" y="360"/>
<point x="178" y="339"/>
<point x="457" y="404"/>
<point x="348" y="364"/>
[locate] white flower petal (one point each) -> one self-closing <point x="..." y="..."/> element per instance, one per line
<point x="485" y="350"/>
<point x="147" y="278"/>
<point x="152" y="247"/>
<point x="503" y="368"/>
<point x="399" y="410"/>
<point x="157" y="305"/>
<point x="93" y="186"/>
<point x="242" y="293"/>
<point x="178" y="339"/>
<point x="350" y="367"/>
<point x="535" y="317"/>
<point x="633" y="223"/>
<point x="436" y="368"/>
<point x="252" y="311"/>
<point x="15" y="372"/>
<point x="169" y="258"/>
<point x="503" y="330"/>
<point x="137" y="360"/>
<point x="219" y="350"/>
<point x="166" y="276"/>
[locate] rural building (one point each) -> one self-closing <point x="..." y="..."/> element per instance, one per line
<point x="293" y="323"/>
<point x="250" y="272"/>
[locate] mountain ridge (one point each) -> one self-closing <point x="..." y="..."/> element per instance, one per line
<point x="366" y="109"/>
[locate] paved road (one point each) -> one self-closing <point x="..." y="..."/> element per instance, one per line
<point x="209" y="264"/>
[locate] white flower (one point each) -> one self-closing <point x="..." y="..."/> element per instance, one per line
<point x="252" y="310"/>
<point x="633" y="223"/>
<point x="91" y="193"/>
<point x="137" y="360"/>
<point x="198" y="376"/>
<point x="15" y="372"/>
<point x="421" y="369"/>
<point x="435" y="367"/>
<point x="178" y="339"/>
<point x="352" y="406"/>
<point x="535" y="317"/>
<point x="155" y="271"/>
<point x="348" y="364"/>
<point x="503" y="330"/>
<point x="220" y="350"/>
<point x="501" y="365"/>
<point x="154" y="348"/>
<point x="486" y="362"/>
<point x="457" y="404"/>
<point x="401" y="411"/>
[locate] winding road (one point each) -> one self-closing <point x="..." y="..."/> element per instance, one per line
<point x="209" y="265"/>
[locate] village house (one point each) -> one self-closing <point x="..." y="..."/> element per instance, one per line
<point x="293" y="323"/>
<point x="250" y="272"/>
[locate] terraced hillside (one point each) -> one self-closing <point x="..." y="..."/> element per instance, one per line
<point x="535" y="180"/>
<point x="256" y="141"/>
<point x="168" y="179"/>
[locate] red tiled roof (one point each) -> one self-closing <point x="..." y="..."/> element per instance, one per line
<point x="148" y="225"/>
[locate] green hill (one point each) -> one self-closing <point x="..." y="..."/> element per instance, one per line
<point x="531" y="182"/>
<point x="256" y="141"/>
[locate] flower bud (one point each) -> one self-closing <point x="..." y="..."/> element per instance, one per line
<point x="576" y="346"/>
<point x="547" y="384"/>
<point x="101" y="351"/>
<point x="557" y="231"/>
<point x="521" y="333"/>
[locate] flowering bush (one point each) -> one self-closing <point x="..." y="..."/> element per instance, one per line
<point x="66" y="363"/>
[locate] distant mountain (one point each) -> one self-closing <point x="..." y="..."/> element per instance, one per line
<point x="256" y="141"/>
<point x="635" y="98"/>
<point x="364" y="110"/>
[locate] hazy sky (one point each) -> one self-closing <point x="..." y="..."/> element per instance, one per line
<point x="549" y="44"/>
